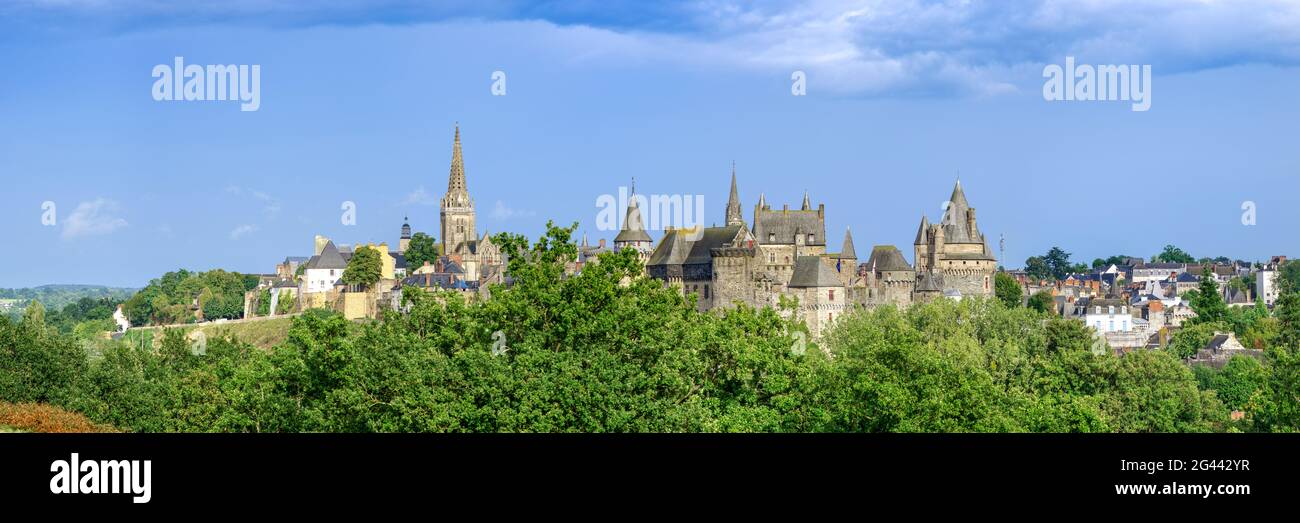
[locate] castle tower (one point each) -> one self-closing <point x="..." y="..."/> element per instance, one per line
<point x="734" y="216"/>
<point x="405" y="240"/>
<point x="953" y="254"/>
<point x="457" y="210"/>
<point x="847" y="262"/>
<point x="633" y="235"/>
<point x="921" y="244"/>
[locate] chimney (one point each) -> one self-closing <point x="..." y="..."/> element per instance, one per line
<point x="821" y="211"/>
<point x="602" y="243"/>
<point x="785" y="208"/>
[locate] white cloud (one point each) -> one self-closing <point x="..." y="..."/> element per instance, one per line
<point x="419" y="196"/>
<point x="93" y="218"/>
<point x="502" y="212"/>
<point x="845" y="46"/>
<point x="242" y="230"/>
<point x="270" y="205"/>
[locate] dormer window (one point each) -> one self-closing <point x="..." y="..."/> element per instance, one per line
<point x="1111" y="309"/>
<point x="771" y="237"/>
<point x="810" y="238"/>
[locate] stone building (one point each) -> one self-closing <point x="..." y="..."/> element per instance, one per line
<point x="954" y="252"/>
<point x="633" y="235"/>
<point x="478" y="255"/>
<point x="785" y="254"/>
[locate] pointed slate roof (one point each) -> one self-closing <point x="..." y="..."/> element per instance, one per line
<point x="633" y="228"/>
<point x="807" y="203"/>
<point x="329" y="258"/>
<point x="922" y="233"/>
<point x="848" y="251"/>
<point x="955" y="229"/>
<point x="810" y="271"/>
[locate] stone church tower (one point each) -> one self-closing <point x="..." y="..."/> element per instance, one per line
<point x="457" y="212"/>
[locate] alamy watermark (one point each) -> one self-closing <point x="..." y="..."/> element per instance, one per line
<point x="657" y="212"/>
<point x="180" y="82"/>
<point x="1098" y="83"/>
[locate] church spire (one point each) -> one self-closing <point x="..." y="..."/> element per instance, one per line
<point x="807" y="203"/>
<point x="456" y="181"/>
<point x="733" y="202"/>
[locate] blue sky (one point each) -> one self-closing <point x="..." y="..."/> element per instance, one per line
<point x="358" y="101"/>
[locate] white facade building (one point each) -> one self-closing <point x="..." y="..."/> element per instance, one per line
<point x="1107" y="316"/>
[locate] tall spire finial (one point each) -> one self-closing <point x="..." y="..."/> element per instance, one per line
<point x="457" y="190"/>
<point x="807" y="203"/>
<point x="734" y="216"/>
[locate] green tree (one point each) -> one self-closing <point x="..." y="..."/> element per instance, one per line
<point x="1036" y="267"/>
<point x="1008" y="290"/>
<point x="1239" y="380"/>
<point x="1193" y="337"/>
<point x="364" y="268"/>
<point x="1058" y="262"/>
<point x="1042" y="301"/>
<point x="421" y="249"/>
<point x="1173" y="254"/>
<point x="1207" y="302"/>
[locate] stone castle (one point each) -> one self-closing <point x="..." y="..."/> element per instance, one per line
<point x="780" y="253"/>
<point x="784" y="254"/>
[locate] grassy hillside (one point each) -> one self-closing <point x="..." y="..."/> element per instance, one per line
<point x="260" y="333"/>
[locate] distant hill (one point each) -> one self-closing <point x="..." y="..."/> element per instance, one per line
<point x="54" y="297"/>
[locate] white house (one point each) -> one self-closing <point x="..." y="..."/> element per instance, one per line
<point x="324" y="270"/>
<point x="1157" y="271"/>
<point x="1109" y="315"/>
<point x="1266" y="286"/>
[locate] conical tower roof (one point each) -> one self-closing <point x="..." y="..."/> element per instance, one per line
<point x="848" y="251"/>
<point x="633" y="227"/>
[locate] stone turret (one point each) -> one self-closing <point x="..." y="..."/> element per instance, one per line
<point x="405" y="241"/>
<point x="633" y="234"/>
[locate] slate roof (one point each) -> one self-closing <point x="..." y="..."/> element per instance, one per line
<point x="1234" y="296"/>
<point x="848" y="251"/>
<point x="785" y="224"/>
<point x="677" y="249"/>
<point x="887" y="258"/>
<point x="329" y="258"/>
<point x="809" y="271"/>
